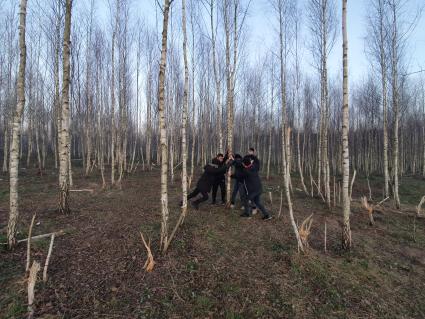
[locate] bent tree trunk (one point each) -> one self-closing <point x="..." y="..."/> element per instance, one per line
<point x="285" y="164"/>
<point x="65" y="114"/>
<point x="16" y="129"/>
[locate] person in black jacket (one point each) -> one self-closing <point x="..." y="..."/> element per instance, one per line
<point x="253" y="157"/>
<point x="238" y="177"/>
<point x="254" y="188"/>
<point x="206" y="181"/>
<point x="219" y="180"/>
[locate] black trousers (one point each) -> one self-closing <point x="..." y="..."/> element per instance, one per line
<point x="255" y="199"/>
<point x="195" y="193"/>
<point x="222" y="185"/>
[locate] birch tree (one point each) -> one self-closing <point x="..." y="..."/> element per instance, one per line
<point x="322" y="27"/>
<point x="216" y="78"/>
<point x="162" y="125"/>
<point x="346" y="233"/>
<point x="65" y="116"/>
<point x="16" y="129"/>
<point x="395" y="43"/>
<point x="282" y="8"/>
<point x="113" y="125"/>
<point x="185" y="111"/>
<point x="378" y="36"/>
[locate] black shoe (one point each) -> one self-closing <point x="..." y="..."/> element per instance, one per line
<point x="267" y="217"/>
<point x="195" y="205"/>
<point x="213" y="202"/>
<point x="245" y="215"/>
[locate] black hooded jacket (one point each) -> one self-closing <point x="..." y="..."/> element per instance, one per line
<point x="219" y="177"/>
<point x="255" y="160"/>
<point x="252" y="180"/>
<point x="211" y="172"/>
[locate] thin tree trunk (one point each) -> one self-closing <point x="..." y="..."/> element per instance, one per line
<point x="16" y="129"/>
<point x="163" y="128"/>
<point x="183" y="130"/>
<point x="423" y="132"/>
<point x="216" y="80"/>
<point x="64" y="159"/>
<point x="113" y="128"/>
<point x="395" y="91"/>
<point x="285" y="165"/>
<point x="346" y="232"/>
<point x="383" y="66"/>
<point x="57" y="105"/>
<point x="185" y="111"/>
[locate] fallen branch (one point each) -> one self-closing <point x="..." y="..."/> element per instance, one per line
<point x="379" y="204"/>
<point x="61" y="232"/>
<point x="408" y="214"/>
<point x="150" y="263"/>
<point x="82" y="190"/>
<point x="27" y="267"/>
<point x="46" y="265"/>
<point x="32" y="279"/>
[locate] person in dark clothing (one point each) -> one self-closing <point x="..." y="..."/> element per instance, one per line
<point x="206" y="181"/>
<point x="219" y="180"/>
<point x="254" y="188"/>
<point x="253" y="157"/>
<point x="238" y="177"/>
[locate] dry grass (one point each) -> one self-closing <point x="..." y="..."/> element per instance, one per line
<point x="219" y="265"/>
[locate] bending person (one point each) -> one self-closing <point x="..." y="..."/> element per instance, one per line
<point x="206" y="181"/>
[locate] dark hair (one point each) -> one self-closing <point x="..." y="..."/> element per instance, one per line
<point x="246" y="161"/>
<point x="252" y="149"/>
<point x="238" y="156"/>
<point x="220" y="155"/>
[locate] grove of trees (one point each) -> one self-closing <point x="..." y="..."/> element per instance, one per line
<point x="96" y="85"/>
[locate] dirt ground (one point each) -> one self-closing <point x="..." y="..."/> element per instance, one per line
<point x="219" y="265"/>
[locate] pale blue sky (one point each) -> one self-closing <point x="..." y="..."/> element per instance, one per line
<point x="262" y="36"/>
<point x="262" y="33"/>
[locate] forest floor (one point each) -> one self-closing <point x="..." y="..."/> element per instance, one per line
<point x="219" y="265"/>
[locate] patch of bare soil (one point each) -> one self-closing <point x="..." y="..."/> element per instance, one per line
<point x="218" y="266"/>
